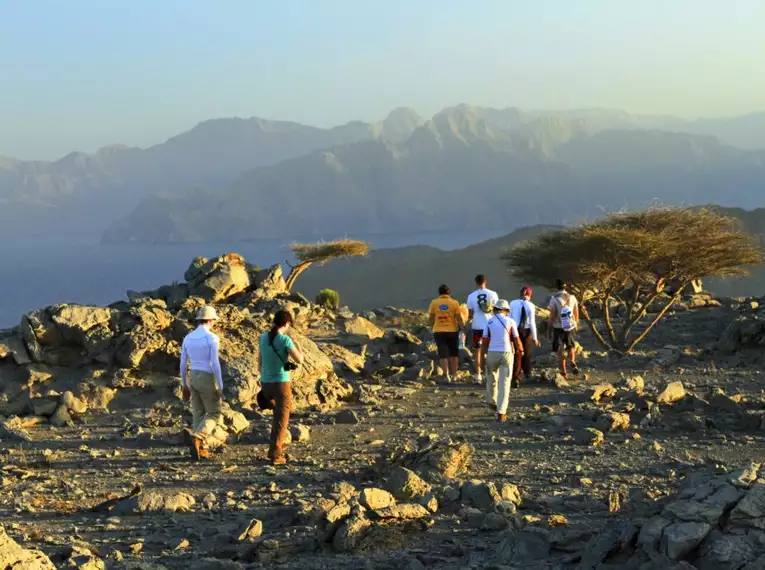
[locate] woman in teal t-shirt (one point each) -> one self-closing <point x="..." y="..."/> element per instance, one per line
<point x="276" y="350"/>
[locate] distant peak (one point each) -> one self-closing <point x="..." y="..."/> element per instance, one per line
<point x="398" y="125"/>
<point x="113" y="149"/>
<point x="403" y="113"/>
<point x="459" y="109"/>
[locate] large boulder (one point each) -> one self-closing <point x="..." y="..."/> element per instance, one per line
<point x="743" y="332"/>
<point x="343" y="359"/>
<point x="145" y="349"/>
<point x="218" y="278"/>
<point x="69" y="335"/>
<point x="11" y="346"/>
<point x="15" y="557"/>
<point x="269" y="282"/>
<point x="673" y="392"/>
<point x="361" y="327"/>
<point x="39" y="332"/>
<point x="151" y="314"/>
<point x="405" y="484"/>
<point x="314" y="383"/>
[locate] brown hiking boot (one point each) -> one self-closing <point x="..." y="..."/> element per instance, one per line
<point x="198" y="450"/>
<point x="501" y="418"/>
<point x="279" y="460"/>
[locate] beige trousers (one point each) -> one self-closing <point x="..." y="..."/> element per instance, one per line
<point x="205" y="405"/>
<point x="499" y="375"/>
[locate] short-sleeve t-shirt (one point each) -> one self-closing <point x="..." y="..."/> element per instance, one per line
<point x="445" y="309"/>
<point x="479" y="317"/>
<point x="272" y="366"/>
<point x="500" y="330"/>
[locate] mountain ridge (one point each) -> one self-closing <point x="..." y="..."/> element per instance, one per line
<point x="377" y="186"/>
<point x="82" y="192"/>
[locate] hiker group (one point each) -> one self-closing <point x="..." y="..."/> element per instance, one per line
<point x="202" y="380"/>
<point x="500" y="335"/>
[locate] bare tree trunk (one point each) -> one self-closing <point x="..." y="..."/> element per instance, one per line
<point x="593" y="328"/>
<point x="631" y="304"/>
<point x="634" y="318"/>
<point x="609" y="323"/>
<point x="295" y="272"/>
<point x="658" y="317"/>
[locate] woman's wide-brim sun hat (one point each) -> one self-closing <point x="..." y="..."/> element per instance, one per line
<point x="502" y="305"/>
<point x="207" y="314"/>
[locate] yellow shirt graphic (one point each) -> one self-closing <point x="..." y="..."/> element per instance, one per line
<point x="445" y="310"/>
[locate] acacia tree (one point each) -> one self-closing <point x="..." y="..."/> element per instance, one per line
<point x="629" y="259"/>
<point x="309" y="253"/>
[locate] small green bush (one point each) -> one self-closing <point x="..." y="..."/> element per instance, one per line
<point x="329" y="299"/>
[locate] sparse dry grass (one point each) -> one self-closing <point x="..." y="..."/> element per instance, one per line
<point x="309" y="253"/>
<point x="324" y="251"/>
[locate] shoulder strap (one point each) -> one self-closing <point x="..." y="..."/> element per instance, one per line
<point x="501" y="322"/>
<point x="271" y="343"/>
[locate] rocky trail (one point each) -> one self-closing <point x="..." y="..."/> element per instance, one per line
<point x="648" y="461"/>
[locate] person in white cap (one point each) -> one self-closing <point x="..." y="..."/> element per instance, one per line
<point x="202" y="380"/>
<point x="502" y="338"/>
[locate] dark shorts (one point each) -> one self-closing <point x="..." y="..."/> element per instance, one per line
<point x="447" y="344"/>
<point x="565" y="339"/>
<point x="477" y="339"/>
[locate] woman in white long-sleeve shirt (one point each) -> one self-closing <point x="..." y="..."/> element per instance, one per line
<point x="202" y="380"/>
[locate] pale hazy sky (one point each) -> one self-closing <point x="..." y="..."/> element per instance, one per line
<point x="80" y="74"/>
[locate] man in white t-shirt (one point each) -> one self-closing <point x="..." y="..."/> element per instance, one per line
<point x="503" y="340"/>
<point x="480" y="304"/>
<point x="564" y="320"/>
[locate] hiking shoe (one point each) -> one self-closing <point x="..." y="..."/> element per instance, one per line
<point x="198" y="450"/>
<point x="280" y="460"/>
<point x="575" y="369"/>
<point x="501" y="418"/>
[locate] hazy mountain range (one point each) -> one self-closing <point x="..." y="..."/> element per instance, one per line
<point x="465" y="168"/>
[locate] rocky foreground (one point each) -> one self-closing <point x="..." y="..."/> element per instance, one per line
<point x="650" y="461"/>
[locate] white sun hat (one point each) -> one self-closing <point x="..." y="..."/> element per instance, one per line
<point x="502" y="305"/>
<point x="207" y="314"/>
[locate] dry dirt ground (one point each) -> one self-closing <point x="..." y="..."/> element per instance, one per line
<point x="52" y="490"/>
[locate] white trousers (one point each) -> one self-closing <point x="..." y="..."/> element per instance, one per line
<point x="499" y="375"/>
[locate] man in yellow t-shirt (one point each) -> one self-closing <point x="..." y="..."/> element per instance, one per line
<point x="446" y="321"/>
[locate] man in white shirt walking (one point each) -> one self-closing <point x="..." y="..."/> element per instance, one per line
<point x="480" y="304"/>
<point x="523" y="312"/>
<point x="501" y="335"/>
<point x="564" y="320"/>
<point x="202" y="380"/>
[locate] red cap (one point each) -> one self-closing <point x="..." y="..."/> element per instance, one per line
<point x="525" y="290"/>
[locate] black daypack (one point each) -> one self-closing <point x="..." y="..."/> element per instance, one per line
<point x="524" y="324"/>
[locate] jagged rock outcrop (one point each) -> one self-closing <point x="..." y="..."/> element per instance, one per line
<point x="14" y="557"/>
<point x="713" y="522"/>
<point x="143" y="335"/>
<point x="218" y="278"/>
<point x="744" y="332"/>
